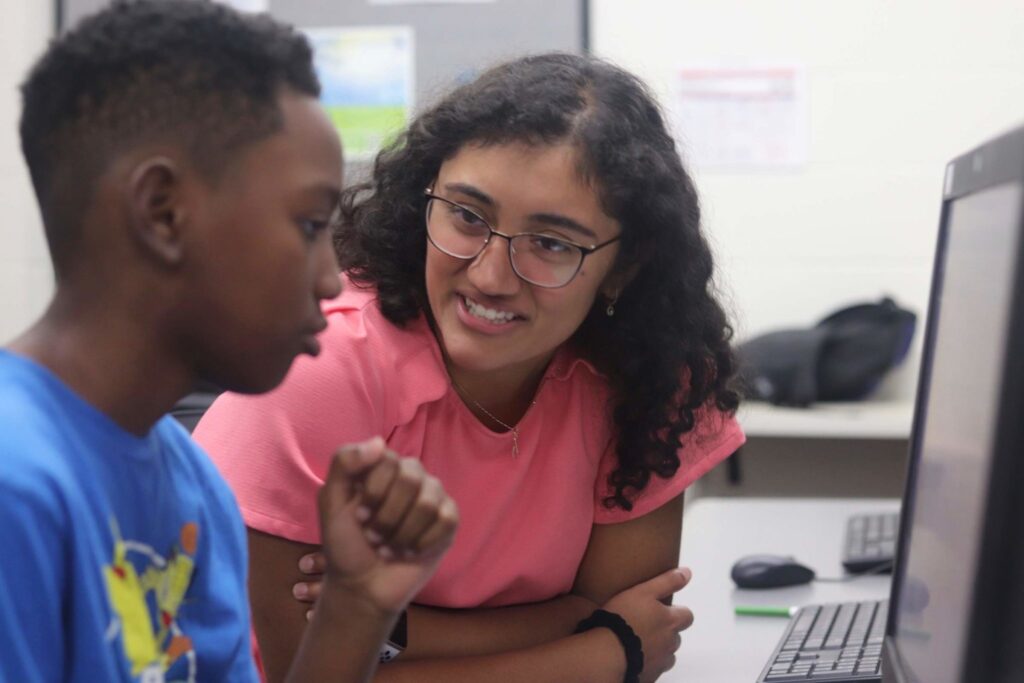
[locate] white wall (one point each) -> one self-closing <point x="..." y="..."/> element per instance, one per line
<point x="25" y="274"/>
<point x="896" y="89"/>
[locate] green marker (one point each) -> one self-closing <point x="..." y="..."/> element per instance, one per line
<point x="765" y="611"/>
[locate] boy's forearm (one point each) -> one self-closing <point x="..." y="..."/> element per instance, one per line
<point x="435" y="632"/>
<point x="342" y="642"/>
<point x="592" y="657"/>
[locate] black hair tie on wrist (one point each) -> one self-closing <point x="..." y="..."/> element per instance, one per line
<point x="630" y="642"/>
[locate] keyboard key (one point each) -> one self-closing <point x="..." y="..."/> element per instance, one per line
<point x="877" y="631"/>
<point x="837" y="635"/>
<point x="804" y="620"/>
<point x="861" y="624"/>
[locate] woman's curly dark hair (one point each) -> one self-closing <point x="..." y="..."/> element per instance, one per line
<point x="666" y="350"/>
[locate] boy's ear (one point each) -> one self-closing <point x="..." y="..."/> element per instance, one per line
<point x="155" y="201"/>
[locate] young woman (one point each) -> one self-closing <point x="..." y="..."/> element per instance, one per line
<point x="529" y="311"/>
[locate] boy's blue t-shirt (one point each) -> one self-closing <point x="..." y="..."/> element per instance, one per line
<point x="122" y="558"/>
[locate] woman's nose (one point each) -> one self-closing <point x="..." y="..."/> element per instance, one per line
<point x="491" y="271"/>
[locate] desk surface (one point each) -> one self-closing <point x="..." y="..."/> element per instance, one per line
<point x="859" y="420"/>
<point x="723" y="648"/>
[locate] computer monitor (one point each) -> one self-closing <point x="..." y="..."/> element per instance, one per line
<point x="957" y="599"/>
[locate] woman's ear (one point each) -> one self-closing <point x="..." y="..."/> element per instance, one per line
<point x="618" y="280"/>
<point x="157" y="210"/>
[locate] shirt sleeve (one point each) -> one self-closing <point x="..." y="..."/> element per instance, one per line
<point x="32" y="538"/>
<point x="716" y="437"/>
<point x="218" y="595"/>
<point x="274" y="450"/>
<point x="225" y="583"/>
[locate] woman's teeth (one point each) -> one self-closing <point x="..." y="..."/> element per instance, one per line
<point x="488" y="314"/>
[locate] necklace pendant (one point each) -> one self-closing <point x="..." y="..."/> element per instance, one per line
<point x="515" y="443"/>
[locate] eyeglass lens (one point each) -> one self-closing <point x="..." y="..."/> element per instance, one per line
<point x="540" y="259"/>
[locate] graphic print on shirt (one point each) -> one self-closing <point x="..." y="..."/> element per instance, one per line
<point x="146" y="590"/>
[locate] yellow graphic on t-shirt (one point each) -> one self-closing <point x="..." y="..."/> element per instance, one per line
<point x="152" y="642"/>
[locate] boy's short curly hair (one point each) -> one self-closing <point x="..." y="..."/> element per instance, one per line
<point x="189" y="72"/>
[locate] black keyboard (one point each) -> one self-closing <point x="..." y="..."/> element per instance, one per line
<point x="834" y="642"/>
<point x="870" y="543"/>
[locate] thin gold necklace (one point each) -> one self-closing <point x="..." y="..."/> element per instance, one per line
<point x="514" y="430"/>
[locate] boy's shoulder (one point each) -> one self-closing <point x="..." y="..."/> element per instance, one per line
<point x="34" y="468"/>
<point x="52" y="440"/>
<point x="28" y="416"/>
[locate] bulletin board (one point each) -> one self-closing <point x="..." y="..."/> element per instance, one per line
<point x="453" y="39"/>
<point x="447" y="41"/>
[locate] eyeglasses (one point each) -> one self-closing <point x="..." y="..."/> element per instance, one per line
<point x="542" y="260"/>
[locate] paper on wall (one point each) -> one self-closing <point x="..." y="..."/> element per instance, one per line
<point x="742" y="117"/>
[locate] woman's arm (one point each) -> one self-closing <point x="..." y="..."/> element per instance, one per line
<point x="279" y="620"/>
<point x="622" y="555"/>
<point x="618" y="557"/>
<point x="533" y="637"/>
<point x="591" y="657"/>
<point x="439" y="632"/>
<point x="595" y="655"/>
<point x="457" y="633"/>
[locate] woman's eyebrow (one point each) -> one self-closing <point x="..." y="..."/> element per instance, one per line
<point x="561" y="221"/>
<point x="552" y="219"/>
<point x="471" y="191"/>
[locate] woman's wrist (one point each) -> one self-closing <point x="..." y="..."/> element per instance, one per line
<point x="631" y="646"/>
<point x="604" y="655"/>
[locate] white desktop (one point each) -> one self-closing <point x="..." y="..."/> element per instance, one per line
<point x="722" y="647"/>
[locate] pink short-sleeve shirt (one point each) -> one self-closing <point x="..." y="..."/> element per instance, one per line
<point x="525" y="520"/>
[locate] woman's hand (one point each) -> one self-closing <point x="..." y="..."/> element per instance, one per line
<point x="655" y="623"/>
<point x="313" y="566"/>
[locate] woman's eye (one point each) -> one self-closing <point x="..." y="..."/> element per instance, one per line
<point x="466" y="216"/>
<point x="550" y="244"/>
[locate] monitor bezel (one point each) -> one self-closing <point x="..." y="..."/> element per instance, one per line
<point x="997" y="162"/>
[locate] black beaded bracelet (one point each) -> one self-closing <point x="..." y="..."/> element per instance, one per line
<point x="630" y="642"/>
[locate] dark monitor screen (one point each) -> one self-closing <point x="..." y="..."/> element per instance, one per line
<point x="955" y="517"/>
<point x="959" y="432"/>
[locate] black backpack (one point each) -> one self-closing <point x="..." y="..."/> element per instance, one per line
<point x="842" y="358"/>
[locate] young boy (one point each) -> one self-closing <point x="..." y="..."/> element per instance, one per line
<point x="186" y="177"/>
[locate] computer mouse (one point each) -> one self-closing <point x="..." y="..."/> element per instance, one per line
<point x="770" y="571"/>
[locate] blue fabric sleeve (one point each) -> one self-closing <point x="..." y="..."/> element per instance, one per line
<point x="224" y="553"/>
<point x="228" y="569"/>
